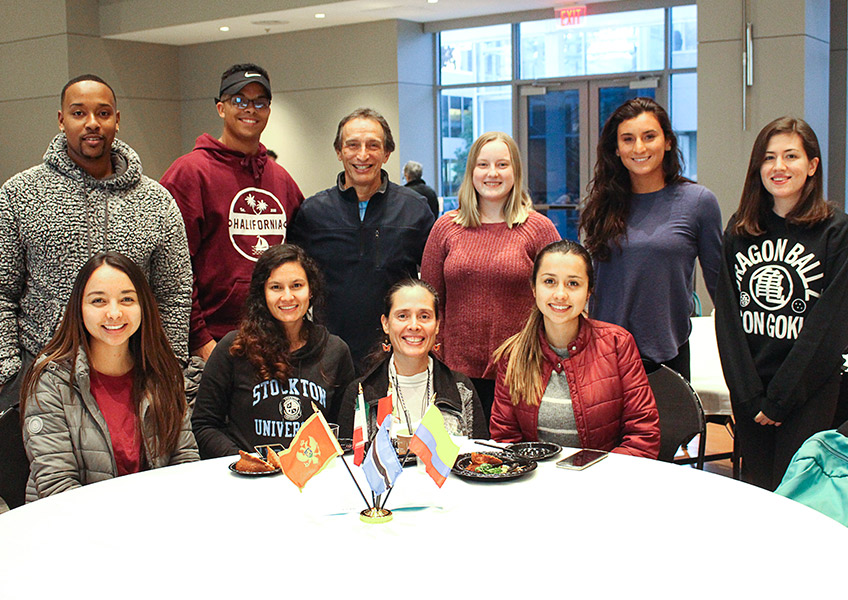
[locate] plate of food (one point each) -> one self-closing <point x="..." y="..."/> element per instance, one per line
<point x="491" y="466"/>
<point x="250" y="465"/>
<point x="534" y="450"/>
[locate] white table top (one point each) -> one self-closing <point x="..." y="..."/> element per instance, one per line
<point x="707" y="376"/>
<point x="625" y="527"/>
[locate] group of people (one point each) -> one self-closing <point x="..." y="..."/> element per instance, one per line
<point x="288" y="305"/>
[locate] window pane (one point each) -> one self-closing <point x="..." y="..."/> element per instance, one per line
<point x="684" y="119"/>
<point x="684" y="37"/>
<point x="610" y="98"/>
<point x="613" y="43"/>
<point x="476" y="55"/>
<point x="465" y="114"/>
<point x="553" y="152"/>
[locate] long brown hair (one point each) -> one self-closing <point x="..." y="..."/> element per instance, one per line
<point x="603" y="220"/>
<point x="157" y="373"/>
<point x="518" y="206"/>
<point x="261" y="339"/>
<point x="756" y="202"/>
<point x="524" y="367"/>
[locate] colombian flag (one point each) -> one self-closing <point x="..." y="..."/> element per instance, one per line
<point x="310" y="451"/>
<point x="432" y="444"/>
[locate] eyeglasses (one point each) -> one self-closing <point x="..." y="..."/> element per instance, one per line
<point x="258" y="103"/>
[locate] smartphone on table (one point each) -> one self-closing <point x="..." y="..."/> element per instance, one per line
<point x="582" y="459"/>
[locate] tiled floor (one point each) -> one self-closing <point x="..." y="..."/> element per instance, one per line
<point x="718" y="440"/>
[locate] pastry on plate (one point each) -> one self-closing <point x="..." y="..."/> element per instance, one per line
<point x="249" y="463"/>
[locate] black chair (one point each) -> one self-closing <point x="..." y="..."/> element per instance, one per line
<point x="681" y="415"/>
<point x="14" y="465"/>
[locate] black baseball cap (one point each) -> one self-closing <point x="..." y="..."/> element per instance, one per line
<point x="236" y="81"/>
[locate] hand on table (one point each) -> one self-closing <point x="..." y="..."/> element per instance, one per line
<point x="762" y="419"/>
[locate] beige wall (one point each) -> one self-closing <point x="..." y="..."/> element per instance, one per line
<point x="31" y="81"/>
<point x="50" y="42"/>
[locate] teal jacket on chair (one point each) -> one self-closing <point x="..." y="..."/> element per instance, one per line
<point x="818" y="474"/>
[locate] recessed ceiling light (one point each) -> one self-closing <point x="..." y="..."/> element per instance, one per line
<point x="432" y="1"/>
<point x="320" y="15"/>
<point x="224" y="28"/>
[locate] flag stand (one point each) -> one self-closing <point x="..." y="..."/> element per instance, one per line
<point x="375" y="515"/>
<point x="354" y="481"/>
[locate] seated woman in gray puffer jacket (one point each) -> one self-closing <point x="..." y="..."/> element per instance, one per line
<point x="105" y="397"/>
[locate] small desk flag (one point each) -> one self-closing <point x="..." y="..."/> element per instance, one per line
<point x="312" y="448"/>
<point x="385" y="406"/>
<point x="360" y="428"/>
<point x="432" y="444"/>
<point x="381" y="466"/>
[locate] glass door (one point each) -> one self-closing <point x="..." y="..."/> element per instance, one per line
<point x="560" y="126"/>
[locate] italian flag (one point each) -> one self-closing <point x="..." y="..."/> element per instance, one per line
<point x="360" y="428"/>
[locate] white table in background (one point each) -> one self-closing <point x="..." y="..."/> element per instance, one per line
<point x="707" y="376"/>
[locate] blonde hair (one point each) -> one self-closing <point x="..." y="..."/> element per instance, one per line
<point x="523" y="375"/>
<point x="517" y="207"/>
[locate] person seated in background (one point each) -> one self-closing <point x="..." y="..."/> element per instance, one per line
<point x="105" y="397"/>
<point x="410" y="322"/>
<point x="568" y="379"/>
<point x="262" y="379"/>
<point x="412" y="172"/>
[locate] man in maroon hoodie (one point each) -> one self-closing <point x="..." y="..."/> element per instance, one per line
<point x="235" y="203"/>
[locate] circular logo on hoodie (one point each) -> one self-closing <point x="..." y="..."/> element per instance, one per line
<point x="257" y="222"/>
<point x="290" y="408"/>
<point x="771" y="287"/>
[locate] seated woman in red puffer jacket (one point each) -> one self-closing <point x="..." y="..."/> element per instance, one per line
<point x="568" y="379"/>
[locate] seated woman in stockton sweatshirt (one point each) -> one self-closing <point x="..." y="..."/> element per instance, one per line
<point x="262" y="380"/>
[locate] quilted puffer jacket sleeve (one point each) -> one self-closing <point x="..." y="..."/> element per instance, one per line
<point x="504" y="425"/>
<point x="54" y="466"/>
<point x="186" y="446"/>
<point x="640" y="422"/>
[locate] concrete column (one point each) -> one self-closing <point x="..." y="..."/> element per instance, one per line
<point x="416" y="104"/>
<point x="791" y="77"/>
<point x="33" y="67"/>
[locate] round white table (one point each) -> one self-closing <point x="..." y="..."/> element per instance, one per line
<point x="625" y="527"/>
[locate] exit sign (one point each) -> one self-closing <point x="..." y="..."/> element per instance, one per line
<point x="571" y="15"/>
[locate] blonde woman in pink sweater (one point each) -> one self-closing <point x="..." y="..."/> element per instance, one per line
<point x="480" y="258"/>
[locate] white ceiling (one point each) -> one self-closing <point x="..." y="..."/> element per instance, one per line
<point x="139" y="20"/>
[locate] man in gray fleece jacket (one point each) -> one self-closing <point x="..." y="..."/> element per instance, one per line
<point x="88" y="195"/>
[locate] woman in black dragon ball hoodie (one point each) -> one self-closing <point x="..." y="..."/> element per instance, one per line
<point x="781" y="302"/>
